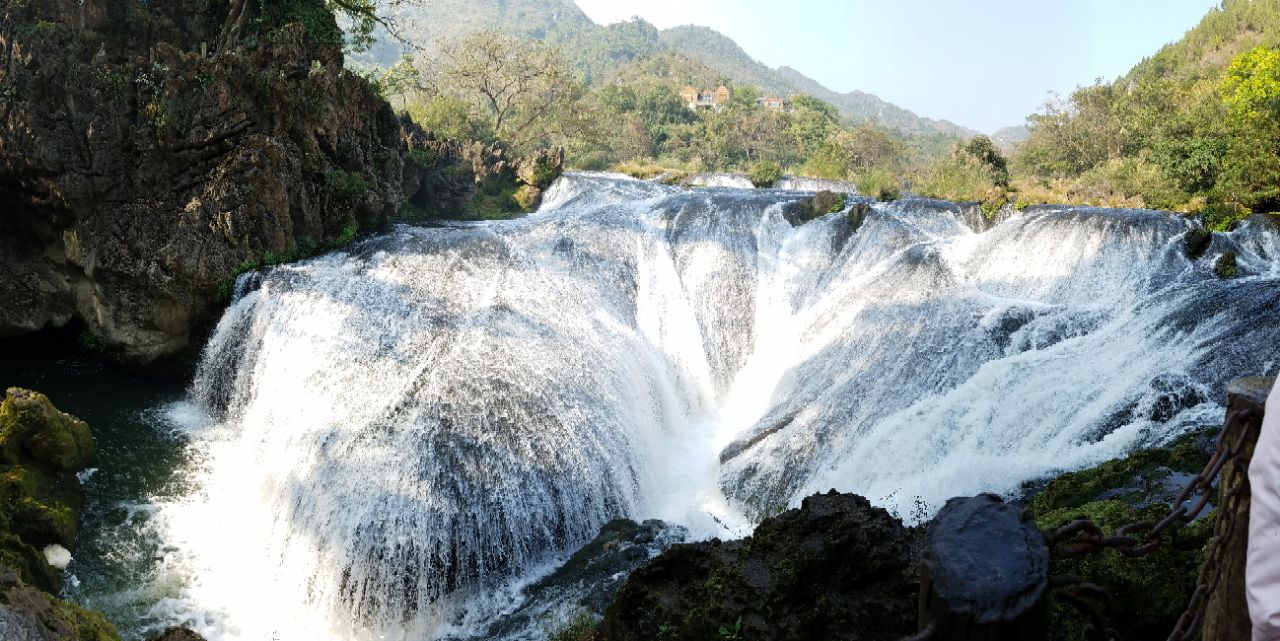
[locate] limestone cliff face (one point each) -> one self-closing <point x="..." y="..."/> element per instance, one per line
<point x="148" y="153"/>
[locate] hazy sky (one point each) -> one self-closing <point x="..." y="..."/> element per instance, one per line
<point x="983" y="64"/>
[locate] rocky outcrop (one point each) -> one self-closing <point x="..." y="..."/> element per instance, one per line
<point x="580" y="590"/>
<point x="31" y="614"/>
<point x="177" y="634"/>
<point x="837" y="568"/>
<point x="147" y="155"/>
<point x="475" y="180"/>
<point x="41" y="449"/>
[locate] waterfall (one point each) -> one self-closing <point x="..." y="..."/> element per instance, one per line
<point x="401" y="433"/>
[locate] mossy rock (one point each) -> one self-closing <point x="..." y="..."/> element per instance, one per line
<point x="31" y="613"/>
<point x="1196" y="242"/>
<point x="1149" y="592"/>
<point x="822" y="203"/>
<point x="32" y="430"/>
<point x="29" y="564"/>
<point x="1074" y="489"/>
<point x="43" y="523"/>
<point x="1226" y="266"/>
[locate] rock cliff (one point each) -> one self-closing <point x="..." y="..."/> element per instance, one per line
<point x="148" y="154"/>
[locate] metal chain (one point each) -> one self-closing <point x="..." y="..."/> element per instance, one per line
<point x="1083" y="536"/>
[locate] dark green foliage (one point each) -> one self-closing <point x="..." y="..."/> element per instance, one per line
<point x="1226" y="265"/>
<point x="982" y="150"/>
<point x="495" y="200"/>
<point x="346" y="185"/>
<point x="1196" y="127"/>
<point x="823" y="203"/>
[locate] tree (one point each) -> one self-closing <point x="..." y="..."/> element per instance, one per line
<point x="401" y="79"/>
<point x="983" y="151"/>
<point x="363" y="17"/>
<point x="1251" y="93"/>
<point x="515" y="82"/>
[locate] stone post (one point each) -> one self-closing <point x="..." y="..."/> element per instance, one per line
<point x="985" y="573"/>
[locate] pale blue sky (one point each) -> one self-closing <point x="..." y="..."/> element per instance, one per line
<point x="983" y="64"/>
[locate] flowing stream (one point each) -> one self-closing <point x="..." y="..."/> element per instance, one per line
<point x="387" y="442"/>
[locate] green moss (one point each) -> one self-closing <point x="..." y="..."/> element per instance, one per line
<point x="580" y="627"/>
<point x="32" y="429"/>
<point x="1074" y="489"/>
<point x="1150" y="592"/>
<point x="1226" y="266"/>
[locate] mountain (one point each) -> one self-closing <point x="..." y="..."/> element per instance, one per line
<point x="600" y="51"/>
<point x="1008" y="137"/>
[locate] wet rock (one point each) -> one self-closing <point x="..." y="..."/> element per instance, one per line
<point x="1196" y="242"/>
<point x="837" y="568"/>
<point x="821" y="204"/>
<point x="588" y="582"/>
<point x="177" y="634"/>
<point x="1226" y="265"/>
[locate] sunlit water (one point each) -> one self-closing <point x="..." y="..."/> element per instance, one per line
<point x="387" y="442"/>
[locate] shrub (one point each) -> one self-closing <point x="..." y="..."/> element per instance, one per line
<point x="528" y="197"/>
<point x="347" y="185"/>
<point x="765" y="173"/>
<point x="880" y="183"/>
<point x="823" y="203"/>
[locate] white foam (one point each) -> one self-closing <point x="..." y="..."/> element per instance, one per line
<point x="57" y="556"/>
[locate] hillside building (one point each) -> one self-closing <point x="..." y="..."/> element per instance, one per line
<point x="705" y="98"/>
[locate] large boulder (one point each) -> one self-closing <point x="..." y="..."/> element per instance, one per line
<point x="837" y="568"/>
<point x="41" y="449"/>
<point x="32" y="430"/>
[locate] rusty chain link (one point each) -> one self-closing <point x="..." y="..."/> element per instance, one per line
<point x="1083" y="536"/>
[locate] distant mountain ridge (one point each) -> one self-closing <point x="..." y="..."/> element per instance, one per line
<point x="601" y="50"/>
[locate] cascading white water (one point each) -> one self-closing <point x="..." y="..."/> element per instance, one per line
<point x="402" y="431"/>
<point x="800" y="183"/>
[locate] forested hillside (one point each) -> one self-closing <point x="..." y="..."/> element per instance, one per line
<point x="598" y="51"/>
<point x="1195" y="127"/>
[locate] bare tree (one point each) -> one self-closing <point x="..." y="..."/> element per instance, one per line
<point x="514" y="81"/>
